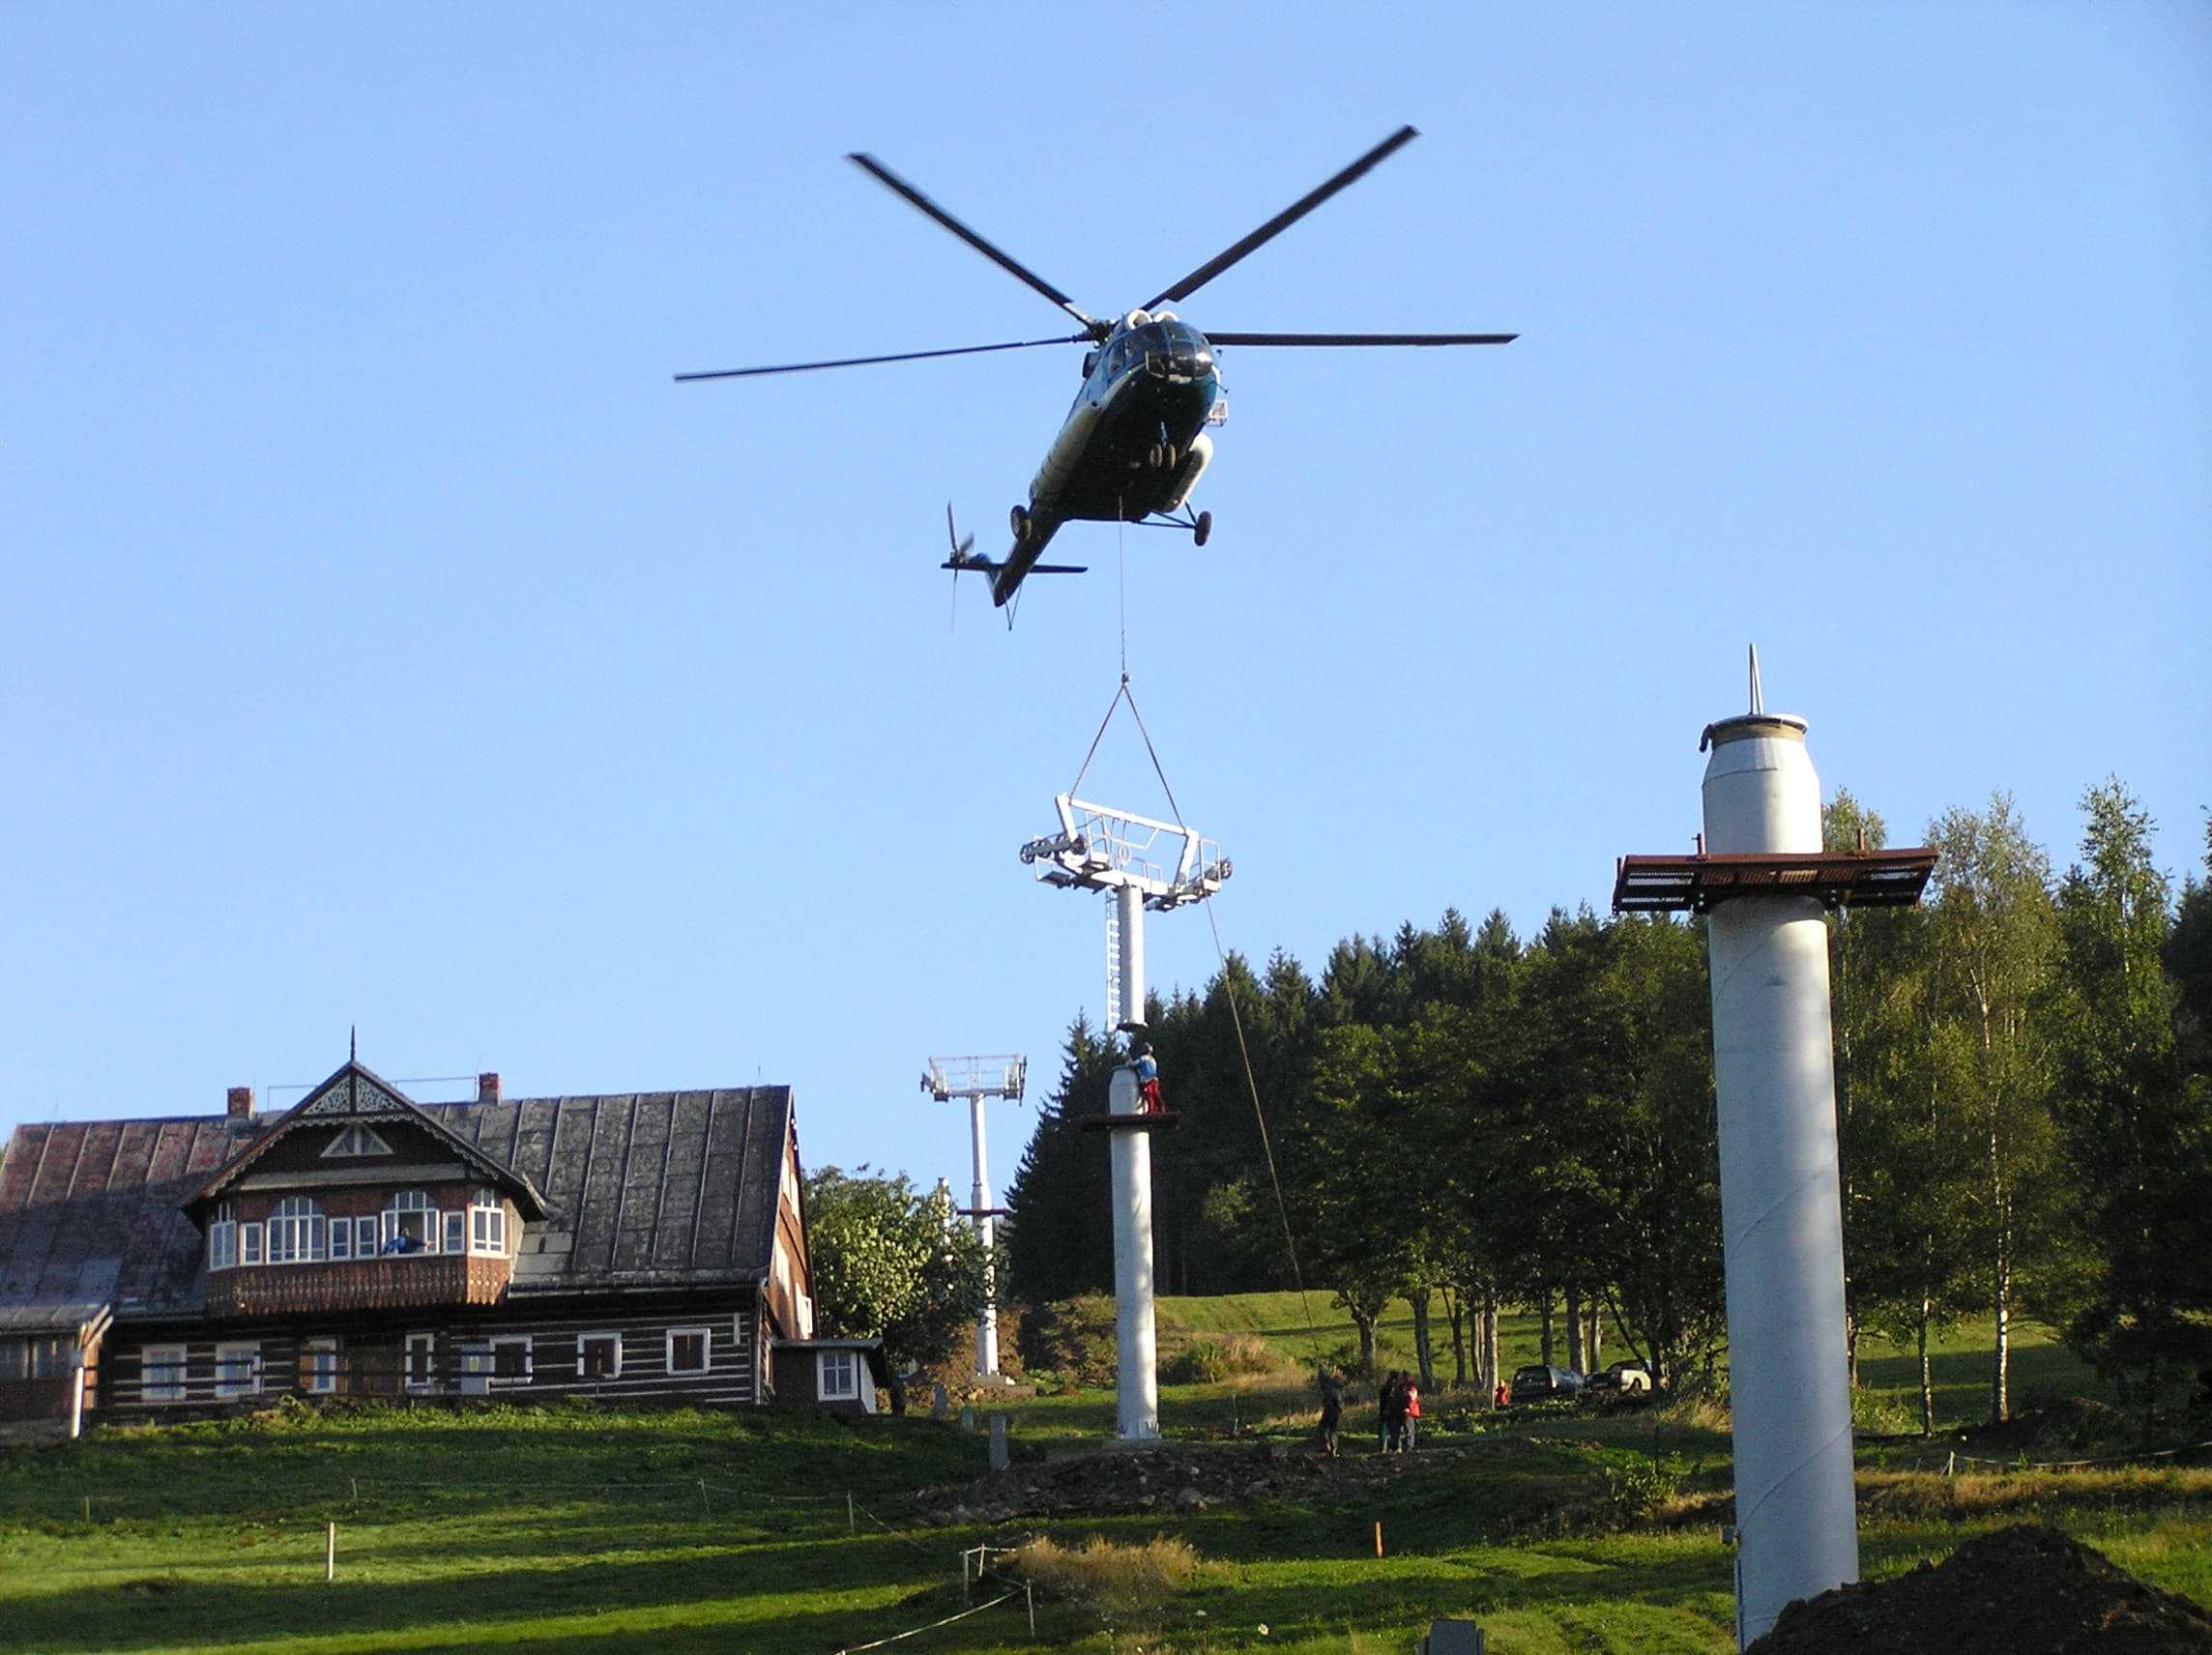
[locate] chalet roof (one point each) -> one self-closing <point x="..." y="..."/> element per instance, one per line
<point x="647" y="1189"/>
<point x="644" y="1189"/>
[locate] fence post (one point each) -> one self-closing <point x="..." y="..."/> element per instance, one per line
<point x="331" y="1553"/>
<point x="703" y="1508"/>
<point x="852" y="1521"/>
<point x="88" y="1510"/>
<point x="1029" y="1591"/>
<point x="1951" y="1464"/>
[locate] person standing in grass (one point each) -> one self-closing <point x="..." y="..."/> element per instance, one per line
<point x="1389" y="1410"/>
<point x="1410" y="1412"/>
<point x="1332" y="1410"/>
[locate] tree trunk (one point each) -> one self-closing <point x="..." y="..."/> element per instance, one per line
<point x="1455" y="1312"/>
<point x="1489" y="1344"/>
<point x="1424" y="1357"/>
<point x="1927" y="1377"/>
<point x="1546" y="1358"/>
<point x="1593" y="1346"/>
<point x="1575" y="1332"/>
<point x="2000" y="1400"/>
<point x="1850" y="1347"/>
<point x="1366" y="1325"/>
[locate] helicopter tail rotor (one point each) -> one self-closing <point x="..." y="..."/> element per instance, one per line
<point x="958" y="561"/>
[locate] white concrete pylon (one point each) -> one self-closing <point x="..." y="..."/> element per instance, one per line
<point x="1781" y="1204"/>
<point x="1137" y="1386"/>
<point x="979" y="1203"/>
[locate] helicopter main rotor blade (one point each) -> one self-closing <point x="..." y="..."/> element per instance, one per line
<point x="1361" y="338"/>
<point x="1284" y="219"/>
<point x="1020" y="272"/>
<point x="869" y="361"/>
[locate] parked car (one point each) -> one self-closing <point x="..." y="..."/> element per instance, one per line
<point x="1622" y="1380"/>
<point x="1545" y="1385"/>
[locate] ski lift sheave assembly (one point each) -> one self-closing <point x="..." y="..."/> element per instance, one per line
<point x="1098" y="847"/>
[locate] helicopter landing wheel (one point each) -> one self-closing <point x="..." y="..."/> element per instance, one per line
<point x="1201" y="529"/>
<point x="1153" y="457"/>
<point x="1169" y="457"/>
<point x="1019" y="518"/>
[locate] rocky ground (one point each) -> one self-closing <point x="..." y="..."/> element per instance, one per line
<point x="1165" y="1477"/>
<point x="2019" y="1591"/>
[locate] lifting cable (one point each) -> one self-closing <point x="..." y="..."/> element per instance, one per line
<point x="1122" y="693"/>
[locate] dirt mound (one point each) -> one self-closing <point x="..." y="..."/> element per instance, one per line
<point x="2071" y="1425"/>
<point x="2019" y="1591"/>
<point x="1162" y="1479"/>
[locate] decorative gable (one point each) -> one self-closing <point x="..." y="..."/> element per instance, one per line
<point x="353" y="1090"/>
<point x="350" y="1100"/>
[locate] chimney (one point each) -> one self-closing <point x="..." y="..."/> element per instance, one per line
<point x="487" y="1088"/>
<point x="237" y="1104"/>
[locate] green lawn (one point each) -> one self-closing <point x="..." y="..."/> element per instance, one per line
<point x="574" y="1529"/>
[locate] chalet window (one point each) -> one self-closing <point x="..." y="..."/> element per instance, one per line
<point x="688" y="1349"/>
<point x="457" y="1231"/>
<point x="421" y="1361"/>
<point x="341" y="1238"/>
<point x="296" y="1232"/>
<point x="487" y="1224"/>
<point x="249" y="1244"/>
<point x="363" y="1237"/>
<point x="161" y="1372"/>
<point x="839" y="1375"/>
<point x="356" y="1141"/>
<point x="410" y="1223"/>
<point x="223" y="1239"/>
<point x="35" y="1358"/>
<point x="319" y="1366"/>
<point x="238" y="1365"/>
<point x="511" y="1360"/>
<point x="598" y="1356"/>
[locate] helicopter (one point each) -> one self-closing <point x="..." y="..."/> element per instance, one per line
<point x="1134" y="444"/>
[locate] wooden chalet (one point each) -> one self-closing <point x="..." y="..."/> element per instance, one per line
<point x="634" y="1247"/>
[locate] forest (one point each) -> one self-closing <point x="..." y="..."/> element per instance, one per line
<point x="1471" y="1120"/>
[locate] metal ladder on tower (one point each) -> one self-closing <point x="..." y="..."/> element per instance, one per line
<point x="1112" y="968"/>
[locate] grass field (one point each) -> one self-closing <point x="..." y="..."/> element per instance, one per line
<point x="572" y="1529"/>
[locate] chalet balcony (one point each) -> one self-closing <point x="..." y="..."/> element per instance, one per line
<point x="399" y="1282"/>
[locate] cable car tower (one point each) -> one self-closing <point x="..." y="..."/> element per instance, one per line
<point x="1102" y="848"/>
<point x="977" y="1079"/>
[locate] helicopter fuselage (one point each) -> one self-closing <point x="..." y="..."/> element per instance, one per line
<point x="1133" y="444"/>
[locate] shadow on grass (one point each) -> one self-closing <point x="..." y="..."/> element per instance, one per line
<point x="692" y="1600"/>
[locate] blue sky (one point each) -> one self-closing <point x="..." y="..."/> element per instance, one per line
<point x="389" y="642"/>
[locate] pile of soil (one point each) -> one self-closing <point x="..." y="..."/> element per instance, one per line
<point x="2054" y="1430"/>
<point x="1161" y="1478"/>
<point x="2019" y="1591"/>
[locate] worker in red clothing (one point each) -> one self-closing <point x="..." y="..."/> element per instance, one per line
<point x="1148" y="1078"/>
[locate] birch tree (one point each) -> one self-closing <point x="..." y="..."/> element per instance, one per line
<point x="1994" y="939"/>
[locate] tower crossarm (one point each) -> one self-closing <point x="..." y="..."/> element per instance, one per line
<point x="1098" y="847"/>
<point x="946" y="1079"/>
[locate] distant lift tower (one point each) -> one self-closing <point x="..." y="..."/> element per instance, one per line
<point x="977" y="1079"/>
<point x="1098" y="849"/>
